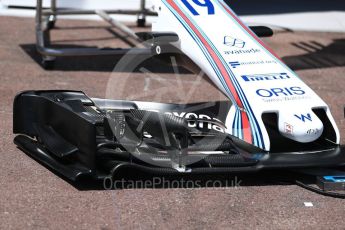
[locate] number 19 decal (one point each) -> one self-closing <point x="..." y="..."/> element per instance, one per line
<point x="202" y="3"/>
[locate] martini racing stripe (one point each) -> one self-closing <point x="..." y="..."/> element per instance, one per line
<point x="255" y="129"/>
<point x="258" y="140"/>
<point x="236" y="127"/>
<point x="204" y="50"/>
<point x="249" y="132"/>
<point x="177" y="9"/>
<point x="246" y="125"/>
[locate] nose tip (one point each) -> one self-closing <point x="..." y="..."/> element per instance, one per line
<point x="300" y="125"/>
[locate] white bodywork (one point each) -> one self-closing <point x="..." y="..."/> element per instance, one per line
<point x="253" y="77"/>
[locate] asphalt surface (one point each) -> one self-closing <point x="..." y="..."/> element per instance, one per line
<point x="32" y="197"/>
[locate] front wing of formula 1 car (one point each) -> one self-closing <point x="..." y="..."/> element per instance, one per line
<point x="75" y="135"/>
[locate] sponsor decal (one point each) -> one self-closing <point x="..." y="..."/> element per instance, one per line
<point x="280" y="92"/>
<point x="303" y="117"/>
<point x="202" y="121"/>
<point x="285" y="99"/>
<point x="265" y="77"/>
<point x="234" y="42"/>
<point x="252" y="63"/>
<point x="313" y="131"/>
<point x="234" y="64"/>
<point x="259" y="62"/>
<point x="242" y="51"/>
<point x="239" y="44"/>
<point x="288" y="128"/>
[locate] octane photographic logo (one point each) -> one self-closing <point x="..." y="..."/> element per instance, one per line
<point x="110" y="183"/>
<point x="158" y="77"/>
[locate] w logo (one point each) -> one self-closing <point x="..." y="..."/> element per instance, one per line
<point x="303" y="117"/>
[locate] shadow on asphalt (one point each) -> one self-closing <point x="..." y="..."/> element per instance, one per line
<point x="253" y="7"/>
<point x="134" y="179"/>
<point x="97" y="63"/>
<point x="317" y="56"/>
<point x="138" y="180"/>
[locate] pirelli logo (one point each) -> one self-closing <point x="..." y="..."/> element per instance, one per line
<point x="266" y="77"/>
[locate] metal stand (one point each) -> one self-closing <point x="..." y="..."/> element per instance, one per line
<point x="46" y="19"/>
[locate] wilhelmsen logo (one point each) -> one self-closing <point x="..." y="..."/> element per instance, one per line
<point x="266" y="77"/>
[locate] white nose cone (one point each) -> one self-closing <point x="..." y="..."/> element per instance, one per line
<point x="302" y="126"/>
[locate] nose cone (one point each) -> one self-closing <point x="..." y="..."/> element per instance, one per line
<point x="302" y="126"/>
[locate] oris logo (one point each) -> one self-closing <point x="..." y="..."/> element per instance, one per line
<point x="279" y="92"/>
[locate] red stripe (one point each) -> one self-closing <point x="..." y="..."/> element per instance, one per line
<point x="211" y="52"/>
<point x="247" y="135"/>
<point x="245" y="120"/>
<point x="249" y="31"/>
